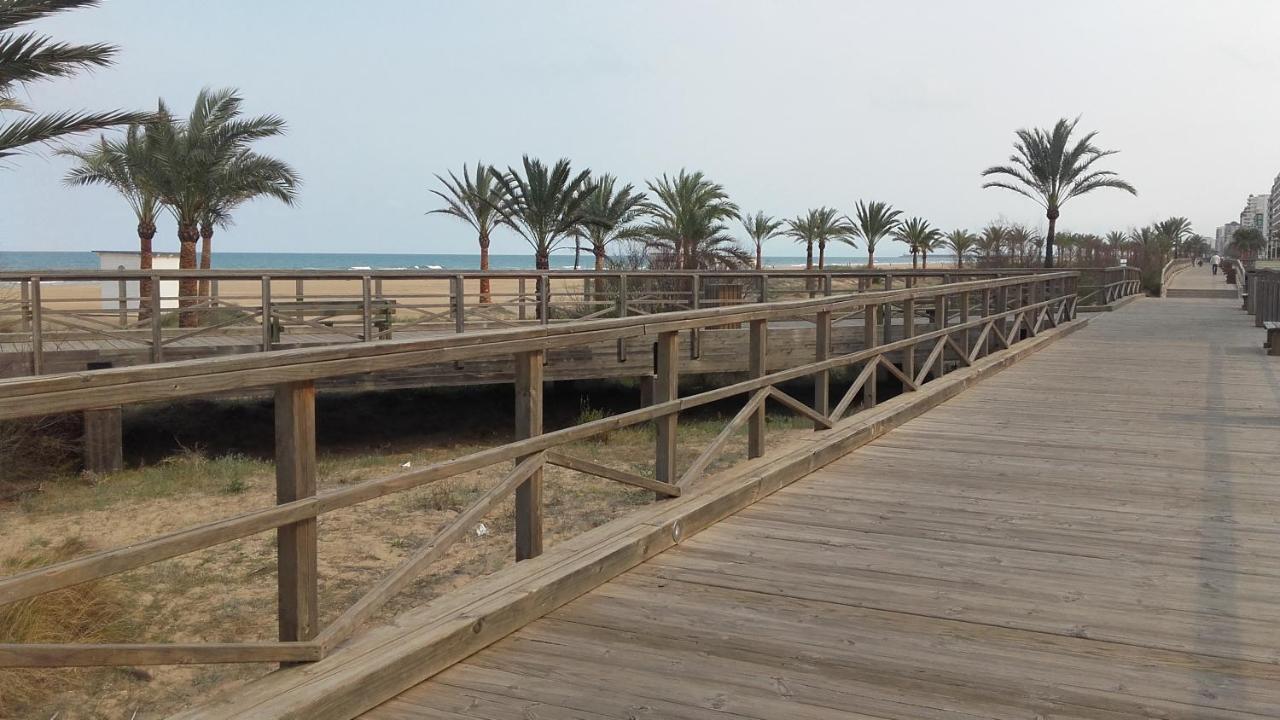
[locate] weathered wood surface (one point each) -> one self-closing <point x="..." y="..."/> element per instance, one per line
<point x="1200" y="282"/>
<point x="1089" y="534"/>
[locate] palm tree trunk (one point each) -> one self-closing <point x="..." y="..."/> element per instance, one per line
<point x="822" y="255"/>
<point x="146" y="232"/>
<point x="188" y="236"/>
<point x="808" y="256"/>
<point x="1052" y="215"/>
<point x="598" y="251"/>
<point x="485" y="297"/>
<point x="759" y="257"/>
<point x="206" y="256"/>
<point x="959" y="260"/>
<point x="915" y="256"/>
<point x="924" y="260"/>
<point x="542" y="260"/>
<point x="871" y="255"/>
<point x="577" y="253"/>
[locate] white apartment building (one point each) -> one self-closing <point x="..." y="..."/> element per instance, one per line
<point x="1222" y="237"/>
<point x="1273" y="221"/>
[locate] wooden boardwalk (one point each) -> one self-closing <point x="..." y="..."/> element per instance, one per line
<point x="1092" y="533"/>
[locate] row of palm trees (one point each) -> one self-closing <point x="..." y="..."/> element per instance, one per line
<point x="198" y="169"/>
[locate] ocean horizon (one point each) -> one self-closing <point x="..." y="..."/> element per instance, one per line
<point x="47" y="260"/>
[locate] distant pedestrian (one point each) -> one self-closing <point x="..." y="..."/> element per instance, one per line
<point x="1215" y="261"/>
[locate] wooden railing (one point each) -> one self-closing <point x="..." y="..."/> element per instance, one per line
<point x="969" y="321"/>
<point x="1102" y="287"/>
<point x="1171" y="268"/>
<point x="250" y="310"/>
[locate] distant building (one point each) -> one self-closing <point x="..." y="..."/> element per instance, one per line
<point x="1257" y="214"/>
<point x="132" y="260"/>
<point x="1222" y="237"/>
<point x="1273" y="220"/>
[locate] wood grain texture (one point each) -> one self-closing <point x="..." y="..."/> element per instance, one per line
<point x="1071" y="538"/>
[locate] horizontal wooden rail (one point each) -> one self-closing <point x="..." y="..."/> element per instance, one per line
<point x="965" y="318"/>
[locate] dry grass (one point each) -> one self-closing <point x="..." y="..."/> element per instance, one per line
<point x="90" y="613"/>
<point x="227" y="593"/>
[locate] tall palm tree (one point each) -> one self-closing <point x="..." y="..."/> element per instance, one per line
<point x="542" y="204"/>
<point x="875" y="221"/>
<point x="474" y="199"/>
<point x="761" y="227"/>
<point x="816" y="228"/>
<point x="687" y="220"/>
<point x="26" y="57"/>
<point x="613" y="212"/>
<point x="247" y="176"/>
<point x="115" y="164"/>
<point x="919" y="235"/>
<point x="962" y="243"/>
<point x="185" y="162"/>
<point x="1048" y="168"/>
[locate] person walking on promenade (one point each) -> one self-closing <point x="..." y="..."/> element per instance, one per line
<point x="1215" y="261"/>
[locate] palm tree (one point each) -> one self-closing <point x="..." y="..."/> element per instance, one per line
<point x="613" y="212"/>
<point x="543" y="204"/>
<point x="473" y="199"/>
<point x="1115" y="242"/>
<point x="1049" y="169"/>
<point x="246" y="177"/>
<point x="1248" y="242"/>
<point x="761" y="227"/>
<point x="919" y="235"/>
<point x="876" y="220"/>
<point x="185" y="165"/>
<point x="27" y="57"/>
<point x="1173" y="230"/>
<point x="116" y="164"/>
<point x="962" y="243"/>
<point x="818" y="227"/>
<point x="687" y="221"/>
<point x="991" y="242"/>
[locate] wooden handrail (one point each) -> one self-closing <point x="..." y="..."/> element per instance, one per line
<point x="1007" y="309"/>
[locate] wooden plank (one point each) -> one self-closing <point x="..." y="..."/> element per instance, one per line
<point x="822" y="380"/>
<point x="413" y="565"/>
<point x="713" y="450"/>
<point x="589" y="467"/>
<point x="88" y="655"/>
<point x="528" y="391"/>
<point x="103" y="440"/>
<point x="756" y="359"/>
<point x="298" y="586"/>
<point x="666" y="385"/>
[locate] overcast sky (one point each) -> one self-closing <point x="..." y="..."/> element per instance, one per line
<point x="789" y="105"/>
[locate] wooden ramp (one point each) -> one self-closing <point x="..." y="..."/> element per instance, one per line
<point x="1200" y="282"/>
<point x="1092" y="533"/>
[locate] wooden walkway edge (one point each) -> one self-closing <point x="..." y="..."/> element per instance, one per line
<point x="384" y="662"/>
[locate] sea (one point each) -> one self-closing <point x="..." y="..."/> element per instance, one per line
<point x="38" y="260"/>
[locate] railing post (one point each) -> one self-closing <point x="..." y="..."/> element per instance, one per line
<point x="298" y="583"/>
<point x="528" y="384"/>
<point x="764" y="287"/>
<point x="622" y="312"/>
<point x="24" y="305"/>
<point x="103" y="440"/>
<point x="666" y="384"/>
<point x="869" y="339"/>
<point x="457" y="295"/>
<point x="756" y="367"/>
<point x="213" y="293"/>
<point x="122" y="302"/>
<point x="965" y="301"/>
<point x="909" y="331"/>
<point x="826" y="285"/>
<point x="366" y="307"/>
<point x="822" y="380"/>
<point x="157" y="322"/>
<point x="521" y="300"/>
<point x="37" y="329"/>
<point x="266" y="314"/>
<point x="544" y="299"/>
<point x="887" y="312"/>
<point x="695" y="303"/>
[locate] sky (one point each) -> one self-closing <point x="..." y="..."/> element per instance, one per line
<point x="789" y="105"/>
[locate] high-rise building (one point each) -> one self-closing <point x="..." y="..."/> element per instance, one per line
<point x="1273" y="220"/>
<point x="1257" y="213"/>
<point x="1222" y="237"/>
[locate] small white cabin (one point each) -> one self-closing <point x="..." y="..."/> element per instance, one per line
<point x="132" y="260"/>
